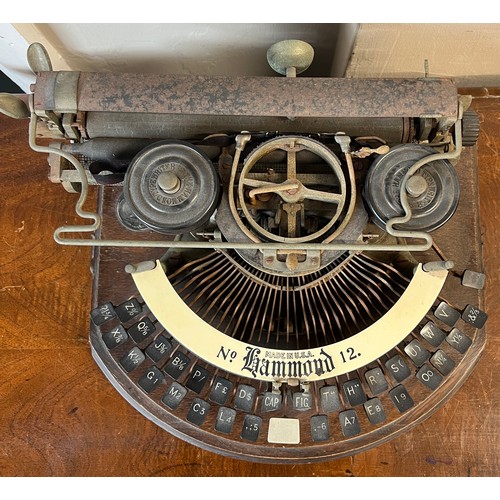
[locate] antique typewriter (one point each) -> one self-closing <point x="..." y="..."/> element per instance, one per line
<point x="285" y="269"/>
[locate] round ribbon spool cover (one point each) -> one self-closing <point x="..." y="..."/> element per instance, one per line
<point x="172" y="187"/>
<point x="433" y="192"/>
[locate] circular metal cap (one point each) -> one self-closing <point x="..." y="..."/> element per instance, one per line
<point x="172" y="187"/>
<point x="433" y="192"/>
<point x="290" y="54"/>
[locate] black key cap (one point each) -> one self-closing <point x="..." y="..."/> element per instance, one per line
<point x="103" y="313"/>
<point x="251" y="428"/>
<point x="198" y="379"/>
<point x="330" y="401"/>
<point x="459" y="340"/>
<point x="320" y="428"/>
<point x="159" y="348"/>
<point x="174" y="395"/>
<point x="141" y="330"/>
<point x="447" y="314"/>
<point x="429" y="376"/>
<point x="132" y="359"/>
<point x="349" y="423"/>
<point x="176" y="366"/>
<point x="245" y="397"/>
<point x="472" y="279"/>
<point x="115" y="337"/>
<point x="398" y="368"/>
<point x="354" y="392"/>
<point x="374" y="411"/>
<point x="128" y="310"/>
<point x="376" y="380"/>
<point x="474" y="316"/>
<point x="225" y="420"/>
<point x="417" y="353"/>
<point x="442" y="362"/>
<point x="302" y="401"/>
<point x="401" y="399"/>
<point x="271" y="401"/>
<point x="151" y="379"/>
<point x="432" y="334"/>
<point x="221" y="389"/>
<point x="198" y="411"/>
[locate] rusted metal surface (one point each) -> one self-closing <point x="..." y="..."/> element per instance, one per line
<point x="256" y="96"/>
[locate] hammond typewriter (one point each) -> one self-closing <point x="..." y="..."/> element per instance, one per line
<point x="285" y="269"/>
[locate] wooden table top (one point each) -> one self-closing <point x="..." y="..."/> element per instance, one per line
<point x="59" y="416"/>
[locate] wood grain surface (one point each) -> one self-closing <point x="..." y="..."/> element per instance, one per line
<point x="60" y="417"/>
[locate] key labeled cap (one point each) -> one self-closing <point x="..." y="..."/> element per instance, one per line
<point x="271" y="401"/>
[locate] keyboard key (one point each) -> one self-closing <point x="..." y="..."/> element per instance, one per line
<point x="472" y="279"/>
<point x="114" y="337"/>
<point x="251" y="428"/>
<point x="398" y="368"/>
<point x="103" y="313"/>
<point x="151" y="379"/>
<point x="302" y="401"/>
<point x="376" y="380"/>
<point x="442" y="362"/>
<point x="474" y="316"/>
<point x="329" y="397"/>
<point x="401" y="399"/>
<point x="128" y="310"/>
<point x="432" y="334"/>
<point x="271" y="401"/>
<point x="132" y="359"/>
<point x="221" y="389"/>
<point x="174" y="395"/>
<point x="198" y="379"/>
<point x="320" y="428"/>
<point x="417" y="353"/>
<point x="349" y="423"/>
<point x="283" y="431"/>
<point x="374" y="411"/>
<point x="447" y="314"/>
<point x="198" y="411"/>
<point x="245" y="397"/>
<point x="159" y="348"/>
<point x="354" y="392"/>
<point x="225" y="420"/>
<point x="458" y="340"/>
<point x="177" y="365"/>
<point x="429" y="376"/>
<point x="141" y="330"/>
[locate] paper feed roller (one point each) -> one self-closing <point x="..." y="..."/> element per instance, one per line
<point x="95" y="105"/>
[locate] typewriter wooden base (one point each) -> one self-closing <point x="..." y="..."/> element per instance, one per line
<point x="112" y="284"/>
